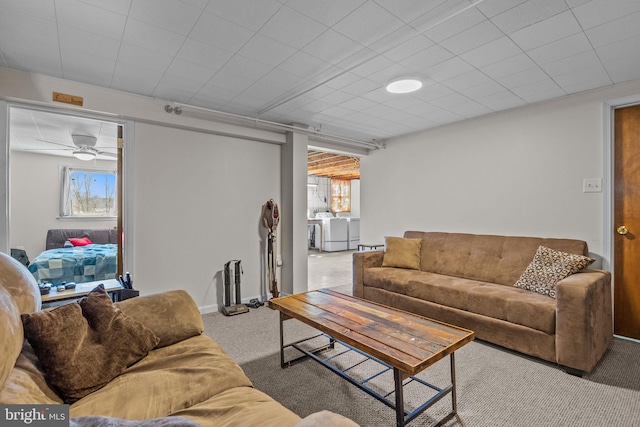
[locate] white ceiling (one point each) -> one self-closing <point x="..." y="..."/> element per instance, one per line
<point x="325" y="63"/>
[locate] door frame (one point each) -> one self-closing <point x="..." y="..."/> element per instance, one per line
<point x="127" y="171"/>
<point x="608" y="260"/>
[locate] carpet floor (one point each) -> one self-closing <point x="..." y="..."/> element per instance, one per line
<point x="496" y="387"/>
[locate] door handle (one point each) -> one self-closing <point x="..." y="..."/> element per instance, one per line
<point x="622" y="230"/>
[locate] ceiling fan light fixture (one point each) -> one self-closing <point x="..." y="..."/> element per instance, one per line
<point x="84" y="140"/>
<point x="84" y="154"/>
<point x="404" y="85"/>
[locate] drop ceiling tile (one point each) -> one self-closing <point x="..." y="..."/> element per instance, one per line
<point x="358" y="104"/>
<point x="361" y="87"/>
<point x="502" y="101"/>
<point x="342" y="79"/>
<point x="528" y="13"/>
<point x="447" y="20"/>
<point x="598" y="12"/>
<point x="42" y="9"/>
<point x="368" y="23"/>
<point x="512" y="65"/>
<point x="43" y="57"/>
<point x="396" y="39"/>
<point x="246" y="67"/>
<point x="121" y="7"/>
<point x="358" y="58"/>
<point x="266" y="50"/>
<point x="467" y="80"/>
<point x="448" y="69"/>
<point x="482" y="90"/>
<point x="213" y="30"/>
<point x="572" y="64"/>
<point x="408" y="48"/>
<point x="403" y="102"/>
<point x="555" y="28"/>
<point x="337" y="97"/>
<point x="375" y="65"/>
<point x="489" y="53"/>
<point x="316" y="106"/>
<point x="614" y="31"/>
<point x="168" y="14"/>
<point x="478" y="35"/>
<point x="73" y="38"/>
<point x="219" y="94"/>
<point x="283" y="80"/>
<point x="426" y="58"/>
<point x="390" y="73"/>
<point x="203" y="54"/>
<point x="539" y="96"/>
<point x="144" y="58"/>
<point x="560" y="49"/>
<point x="442" y="117"/>
<point x="200" y="4"/>
<point x="327" y="12"/>
<point x="304" y="65"/>
<point x="292" y="28"/>
<point x="523" y="78"/>
<point x="332" y="47"/>
<point x="336" y="112"/>
<point x="189" y="70"/>
<point x="543" y="87"/>
<point x="492" y="8"/>
<point x="86" y="68"/>
<point x="153" y="38"/>
<point x="24" y="26"/>
<point x="225" y="79"/>
<point x="90" y="18"/>
<point x="588" y="78"/>
<point x="247" y="13"/>
<point x="625" y="68"/>
<point x="619" y="49"/>
<point x="135" y="79"/>
<point x="432" y="91"/>
<point x="574" y="3"/>
<point x="379" y="110"/>
<point x="470" y="109"/>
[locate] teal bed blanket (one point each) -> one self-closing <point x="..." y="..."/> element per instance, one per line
<point x="76" y="264"/>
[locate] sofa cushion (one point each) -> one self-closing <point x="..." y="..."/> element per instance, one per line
<point x="166" y="381"/>
<point x="82" y="346"/>
<point x="487" y="258"/>
<point x="500" y="302"/>
<point x="172" y="315"/>
<point x="402" y="253"/>
<point x="547" y="268"/>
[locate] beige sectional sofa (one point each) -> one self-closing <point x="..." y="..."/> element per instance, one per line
<point x="468" y="280"/>
<point x="182" y="373"/>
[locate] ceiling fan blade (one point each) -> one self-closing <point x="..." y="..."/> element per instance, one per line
<point x="48" y="149"/>
<point x="107" y="154"/>
<point x="57" y="143"/>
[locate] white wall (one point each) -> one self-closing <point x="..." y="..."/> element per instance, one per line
<point x="35" y="199"/>
<point x="518" y="172"/>
<point x="196" y="192"/>
<point x="197" y="204"/>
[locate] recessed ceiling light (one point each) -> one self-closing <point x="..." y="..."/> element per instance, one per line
<point x="404" y="86"/>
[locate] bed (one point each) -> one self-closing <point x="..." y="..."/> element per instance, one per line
<point x="97" y="261"/>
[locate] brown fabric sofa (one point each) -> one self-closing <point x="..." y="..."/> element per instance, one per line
<point x="467" y="280"/>
<point x="186" y="375"/>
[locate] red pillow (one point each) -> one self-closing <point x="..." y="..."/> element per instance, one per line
<point x="81" y="241"/>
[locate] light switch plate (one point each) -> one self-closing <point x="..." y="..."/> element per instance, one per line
<point x="592" y="185"/>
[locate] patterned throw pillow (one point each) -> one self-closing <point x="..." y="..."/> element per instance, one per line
<point x="548" y="267"/>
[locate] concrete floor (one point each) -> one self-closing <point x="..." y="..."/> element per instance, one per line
<point x="330" y="270"/>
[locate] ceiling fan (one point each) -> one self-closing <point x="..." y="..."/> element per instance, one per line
<point x="84" y="147"/>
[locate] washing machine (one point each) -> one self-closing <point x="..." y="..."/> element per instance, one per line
<point x="335" y="232"/>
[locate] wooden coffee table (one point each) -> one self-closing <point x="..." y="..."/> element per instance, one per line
<point x="401" y="341"/>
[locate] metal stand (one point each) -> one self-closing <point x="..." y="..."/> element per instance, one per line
<point x="400" y="379"/>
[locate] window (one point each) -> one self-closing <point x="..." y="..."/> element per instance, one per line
<point x="340" y="195"/>
<point x="88" y="193"/>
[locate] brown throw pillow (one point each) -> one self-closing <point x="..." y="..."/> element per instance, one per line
<point x="402" y="253"/>
<point x="548" y="267"/>
<point x="82" y="346"/>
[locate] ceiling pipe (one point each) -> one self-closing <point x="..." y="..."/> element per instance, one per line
<point x="265" y="124"/>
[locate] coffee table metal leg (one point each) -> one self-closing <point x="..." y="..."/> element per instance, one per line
<point x="282" y="364"/>
<point x="397" y="378"/>
<point x="454" y="401"/>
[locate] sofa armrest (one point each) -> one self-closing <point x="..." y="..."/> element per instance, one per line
<point x="362" y="261"/>
<point x="173" y="316"/>
<point x="584" y="320"/>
